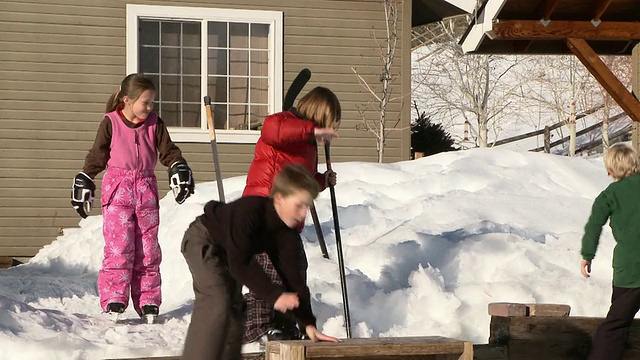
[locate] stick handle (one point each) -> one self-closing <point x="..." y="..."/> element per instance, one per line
<point x="336" y="226"/>
<point x="214" y="148"/>
<point x="212" y="129"/>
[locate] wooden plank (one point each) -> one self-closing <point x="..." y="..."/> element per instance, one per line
<point x="245" y="356"/>
<point x="357" y="5"/>
<point x="605" y="77"/>
<point x="561" y="29"/>
<point x="108" y="19"/>
<point x="41" y="66"/>
<point x="25" y="242"/>
<point x="26" y="237"/>
<point x="548" y="309"/>
<point x="6" y="262"/>
<point x="547" y="7"/>
<point x="507" y="309"/>
<point x="70" y="88"/>
<point x="600" y="7"/>
<point x="18" y="251"/>
<point x="489" y="352"/>
<point x="60" y="39"/>
<point x="431" y="347"/>
<point x="552" y="338"/>
<point x="86" y="59"/>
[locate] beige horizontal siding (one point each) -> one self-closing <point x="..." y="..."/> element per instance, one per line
<point x="61" y="59"/>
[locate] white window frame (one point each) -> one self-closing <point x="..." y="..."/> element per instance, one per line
<point x="273" y="18"/>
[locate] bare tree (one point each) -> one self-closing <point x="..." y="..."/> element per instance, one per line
<point x="481" y="89"/>
<point x="387" y="48"/>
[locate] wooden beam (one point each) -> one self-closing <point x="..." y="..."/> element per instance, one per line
<point x="635" y="88"/>
<point x="567" y="337"/>
<point x="428" y="347"/>
<point x="521" y="47"/>
<point x="599" y="8"/>
<point x="546" y="8"/>
<point x="560" y="30"/>
<point x="605" y="77"/>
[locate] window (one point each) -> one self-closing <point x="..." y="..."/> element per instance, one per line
<point x="233" y="56"/>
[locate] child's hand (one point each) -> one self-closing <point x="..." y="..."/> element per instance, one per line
<point x="330" y="178"/>
<point x="324" y="134"/>
<point x="315" y="335"/>
<point x="585" y="268"/>
<point x="286" y="301"/>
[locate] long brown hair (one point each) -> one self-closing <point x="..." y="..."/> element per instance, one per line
<point x="132" y="86"/>
<point x="321" y="106"/>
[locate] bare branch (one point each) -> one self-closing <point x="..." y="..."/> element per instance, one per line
<point x="364" y="84"/>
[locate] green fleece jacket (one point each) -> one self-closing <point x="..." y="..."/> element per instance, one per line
<point x="620" y="203"/>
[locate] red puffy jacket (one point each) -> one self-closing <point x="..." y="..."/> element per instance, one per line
<point x="285" y="139"/>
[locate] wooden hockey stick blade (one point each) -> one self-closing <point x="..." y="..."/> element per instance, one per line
<point x="296" y="87"/>
<point x="214" y="148"/>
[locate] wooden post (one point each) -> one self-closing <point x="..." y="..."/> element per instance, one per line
<point x="635" y="86"/>
<point x="547" y="139"/>
<point x="605" y="134"/>
<point x="572" y="129"/>
<point x="465" y="136"/>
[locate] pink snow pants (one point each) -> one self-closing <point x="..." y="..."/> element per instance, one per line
<point x="132" y="254"/>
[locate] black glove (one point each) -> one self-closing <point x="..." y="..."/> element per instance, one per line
<point x="83" y="193"/>
<point x="181" y="181"/>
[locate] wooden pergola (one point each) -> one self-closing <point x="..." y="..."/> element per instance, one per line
<point x="586" y="28"/>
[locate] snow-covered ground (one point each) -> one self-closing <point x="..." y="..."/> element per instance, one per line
<point x="427" y="245"/>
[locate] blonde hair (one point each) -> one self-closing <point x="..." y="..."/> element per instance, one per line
<point x="132" y="86"/>
<point x="621" y="160"/>
<point x="293" y="178"/>
<point x="321" y="106"/>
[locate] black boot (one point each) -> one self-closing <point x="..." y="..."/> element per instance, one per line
<point x="276" y="334"/>
<point x="115" y="307"/>
<point x="286" y="324"/>
<point x="150" y="312"/>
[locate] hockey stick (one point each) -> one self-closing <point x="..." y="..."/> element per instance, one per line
<point x="296" y="87"/>
<point x="336" y="225"/>
<point x="316" y="225"/>
<point x="292" y="93"/>
<point x="214" y="148"/>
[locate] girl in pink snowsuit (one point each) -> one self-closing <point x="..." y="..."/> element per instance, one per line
<point x="127" y="144"/>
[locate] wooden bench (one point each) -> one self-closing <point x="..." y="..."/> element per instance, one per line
<point x="423" y="348"/>
<point x="546" y="331"/>
<point x="245" y="356"/>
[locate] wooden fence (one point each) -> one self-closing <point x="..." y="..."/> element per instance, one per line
<point x="546" y="132"/>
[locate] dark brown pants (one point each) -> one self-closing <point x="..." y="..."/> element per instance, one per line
<point x="611" y="337"/>
<point x="215" y="331"/>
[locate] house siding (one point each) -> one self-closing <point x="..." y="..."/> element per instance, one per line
<point x="61" y="59"/>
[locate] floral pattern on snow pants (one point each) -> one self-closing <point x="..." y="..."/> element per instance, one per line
<point x="132" y="255"/>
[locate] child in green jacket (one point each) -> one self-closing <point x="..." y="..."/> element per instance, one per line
<point x="620" y="204"/>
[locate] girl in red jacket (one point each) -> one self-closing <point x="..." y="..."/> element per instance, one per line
<point x="288" y="137"/>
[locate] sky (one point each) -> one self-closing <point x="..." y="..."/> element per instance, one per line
<point x="428" y="244"/>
